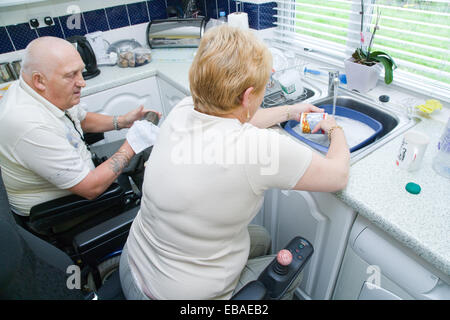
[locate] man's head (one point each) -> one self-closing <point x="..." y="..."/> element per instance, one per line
<point x="53" y="68"/>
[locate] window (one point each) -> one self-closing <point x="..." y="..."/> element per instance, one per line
<point x="416" y="33"/>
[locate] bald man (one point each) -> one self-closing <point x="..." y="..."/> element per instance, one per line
<point x="42" y="151"/>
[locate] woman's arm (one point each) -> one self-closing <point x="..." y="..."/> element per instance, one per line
<point x="329" y="173"/>
<point x="267" y="117"/>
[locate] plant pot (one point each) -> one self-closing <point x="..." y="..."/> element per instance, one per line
<point x="360" y="77"/>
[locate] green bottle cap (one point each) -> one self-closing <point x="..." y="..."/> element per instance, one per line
<point x="413" y="188"/>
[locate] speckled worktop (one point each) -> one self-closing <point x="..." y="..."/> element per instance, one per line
<point x="376" y="187"/>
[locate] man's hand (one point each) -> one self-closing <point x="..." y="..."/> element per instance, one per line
<point x="142" y="135"/>
<point x="127" y="120"/>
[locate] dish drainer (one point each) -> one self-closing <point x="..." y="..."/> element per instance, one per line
<point x="274" y="95"/>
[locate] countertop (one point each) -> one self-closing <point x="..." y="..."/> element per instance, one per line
<point x="376" y="187"/>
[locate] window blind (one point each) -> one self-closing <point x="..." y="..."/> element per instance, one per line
<point x="416" y="33"/>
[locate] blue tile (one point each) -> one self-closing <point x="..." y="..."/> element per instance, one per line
<point x="5" y="44"/>
<point x="73" y="25"/>
<point x="211" y="9"/>
<point x="54" y="31"/>
<point x="202" y="8"/>
<point x="138" y="12"/>
<point x="253" y="16"/>
<point x="21" y="35"/>
<point x="157" y="9"/>
<point x="117" y="17"/>
<point x="96" y="20"/>
<point x="233" y="6"/>
<point x="222" y="5"/>
<point x="176" y="6"/>
<point x="267" y="14"/>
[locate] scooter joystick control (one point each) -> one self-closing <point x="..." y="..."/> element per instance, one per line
<point x="284" y="259"/>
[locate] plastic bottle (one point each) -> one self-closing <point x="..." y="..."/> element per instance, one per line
<point x="222" y="17"/>
<point x="441" y="161"/>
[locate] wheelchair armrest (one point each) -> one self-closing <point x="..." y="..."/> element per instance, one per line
<point x="93" y="137"/>
<point x="107" y="237"/>
<point x="48" y="214"/>
<point x="254" y="290"/>
<point x="276" y="278"/>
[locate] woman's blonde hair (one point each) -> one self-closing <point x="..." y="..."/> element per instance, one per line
<point x="228" y="61"/>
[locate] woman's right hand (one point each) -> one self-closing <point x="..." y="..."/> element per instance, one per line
<point x="325" y="124"/>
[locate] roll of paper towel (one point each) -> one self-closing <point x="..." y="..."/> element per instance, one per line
<point x="238" y="19"/>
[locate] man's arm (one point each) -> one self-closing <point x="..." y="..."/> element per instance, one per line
<point x="99" y="179"/>
<point x="96" y="122"/>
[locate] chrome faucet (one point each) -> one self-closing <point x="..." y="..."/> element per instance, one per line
<point x="333" y="82"/>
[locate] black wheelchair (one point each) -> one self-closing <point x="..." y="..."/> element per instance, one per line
<point x="37" y="253"/>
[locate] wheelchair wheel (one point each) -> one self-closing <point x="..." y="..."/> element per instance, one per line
<point x="104" y="269"/>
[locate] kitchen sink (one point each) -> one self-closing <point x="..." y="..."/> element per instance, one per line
<point x="394" y="121"/>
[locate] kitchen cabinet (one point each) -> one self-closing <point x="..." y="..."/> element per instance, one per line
<point x="323" y="220"/>
<point x="376" y="266"/>
<point x="170" y="95"/>
<point x="122" y="99"/>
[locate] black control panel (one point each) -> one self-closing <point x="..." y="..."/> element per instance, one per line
<point x="278" y="277"/>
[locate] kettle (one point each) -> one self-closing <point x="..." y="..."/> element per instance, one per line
<point x="87" y="54"/>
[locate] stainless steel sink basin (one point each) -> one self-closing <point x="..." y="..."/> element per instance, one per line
<point x="394" y="122"/>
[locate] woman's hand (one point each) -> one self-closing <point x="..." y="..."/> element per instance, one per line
<point x="325" y="124"/>
<point x="127" y="120"/>
<point x="296" y="109"/>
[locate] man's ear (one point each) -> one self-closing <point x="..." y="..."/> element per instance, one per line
<point x="38" y="80"/>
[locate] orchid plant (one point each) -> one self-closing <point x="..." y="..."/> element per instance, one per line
<point x="369" y="58"/>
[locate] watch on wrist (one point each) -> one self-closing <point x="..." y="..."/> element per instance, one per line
<point x="330" y="132"/>
<point x="116" y="123"/>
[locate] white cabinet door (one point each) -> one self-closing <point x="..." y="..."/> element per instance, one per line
<point x="170" y="95"/>
<point x="321" y="219"/>
<point x="122" y="99"/>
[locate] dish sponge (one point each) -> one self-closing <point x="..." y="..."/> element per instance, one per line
<point x="430" y="106"/>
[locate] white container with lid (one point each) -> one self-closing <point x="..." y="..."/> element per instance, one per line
<point x="291" y="83"/>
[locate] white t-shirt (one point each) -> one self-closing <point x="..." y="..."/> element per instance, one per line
<point x="41" y="153"/>
<point x="204" y="183"/>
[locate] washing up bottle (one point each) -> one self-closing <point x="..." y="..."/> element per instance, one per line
<point x="441" y="161"/>
<point x="342" y="77"/>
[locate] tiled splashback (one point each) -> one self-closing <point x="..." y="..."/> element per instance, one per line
<point x="17" y="37"/>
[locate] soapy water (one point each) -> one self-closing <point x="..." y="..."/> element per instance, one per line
<point x="355" y="132"/>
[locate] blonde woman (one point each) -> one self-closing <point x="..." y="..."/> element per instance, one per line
<point x="208" y="172"/>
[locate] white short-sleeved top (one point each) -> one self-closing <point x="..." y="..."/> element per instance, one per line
<point x="41" y="153"/>
<point x="204" y="183"/>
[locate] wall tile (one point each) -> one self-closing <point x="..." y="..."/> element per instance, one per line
<point x="21" y="35"/>
<point x="157" y="9"/>
<point x="253" y="14"/>
<point x="211" y="9"/>
<point x="222" y="5"/>
<point x="54" y="31"/>
<point x="117" y="17"/>
<point x="233" y="6"/>
<point x="73" y="25"/>
<point x="176" y="7"/>
<point x="267" y="14"/>
<point x="5" y="44"/>
<point x="138" y="12"/>
<point x="96" y="20"/>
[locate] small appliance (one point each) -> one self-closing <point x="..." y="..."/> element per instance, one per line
<point x="87" y="54"/>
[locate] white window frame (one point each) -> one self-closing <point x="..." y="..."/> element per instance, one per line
<point x="285" y="35"/>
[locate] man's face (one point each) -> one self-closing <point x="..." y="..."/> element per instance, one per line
<point x="63" y="87"/>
